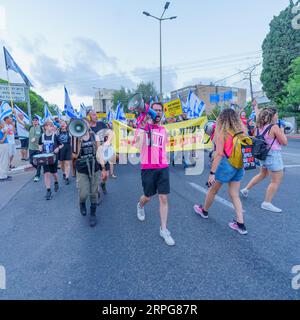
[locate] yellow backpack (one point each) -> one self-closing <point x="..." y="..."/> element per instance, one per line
<point x="241" y="156"/>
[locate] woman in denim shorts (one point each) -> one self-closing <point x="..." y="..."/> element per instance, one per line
<point x="228" y="124"/>
<point x="273" y="165"/>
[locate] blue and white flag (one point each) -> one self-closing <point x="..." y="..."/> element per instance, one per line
<point x="20" y="111"/>
<point x="252" y="115"/>
<point x="59" y="114"/>
<point x="41" y="121"/>
<point x="47" y="113"/>
<point x="120" y="116"/>
<point x="82" y="112"/>
<point x="10" y="64"/>
<point x="69" y="109"/>
<point x="5" y="110"/>
<point x="188" y="106"/>
<point x="199" y="109"/>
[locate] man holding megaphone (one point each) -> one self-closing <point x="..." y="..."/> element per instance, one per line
<point x="153" y="138"/>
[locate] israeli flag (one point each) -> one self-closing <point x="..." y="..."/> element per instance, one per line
<point x="20" y="111"/>
<point x="199" y="109"/>
<point x="10" y="64"/>
<point x="59" y="114"/>
<point x="252" y="115"/>
<point x="69" y="109"/>
<point x="47" y="113"/>
<point x="191" y="105"/>
<point x="120" y="116"/>
<point x="5" y="110"/>
<point x="41" y="121"/>
<point x="82" y="112"/>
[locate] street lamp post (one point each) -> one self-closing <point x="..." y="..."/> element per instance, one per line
<point x="160" y="39"/>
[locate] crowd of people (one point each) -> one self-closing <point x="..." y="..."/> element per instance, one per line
<point x="83" y="156"/>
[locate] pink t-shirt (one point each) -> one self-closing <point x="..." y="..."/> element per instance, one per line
<point x="276" y="145"/>
<point x="153" y="147"/>
<point x="226" y="145"/>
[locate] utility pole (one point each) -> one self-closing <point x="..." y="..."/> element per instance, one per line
<point x="249" y="77"/>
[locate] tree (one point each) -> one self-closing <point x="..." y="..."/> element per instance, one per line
<point x="280" y="47"/>
<point x="146" y="89"/>
<point x="289" y="105"/>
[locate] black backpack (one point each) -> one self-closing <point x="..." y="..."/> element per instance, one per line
<point x="260" y="148"/>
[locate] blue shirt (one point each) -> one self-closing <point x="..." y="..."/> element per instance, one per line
<point x="1" y="137"/>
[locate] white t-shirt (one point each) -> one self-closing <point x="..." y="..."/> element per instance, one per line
<point x="22" y="132"/>
<point x="10" y="134"/>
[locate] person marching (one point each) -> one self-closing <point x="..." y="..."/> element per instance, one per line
<point x="106" y="136"/>
<point x="228" y="125"/>
<point x="267" y="126"/>
<point x="49" y="143"/>
<point x="88" y="173"/>
<point x="65" y="153"/>
<point x="155" y="169"/>
<point x="4" y="154"/>
<point x="35" y="132"/>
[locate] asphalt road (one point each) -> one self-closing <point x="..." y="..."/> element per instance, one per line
<point x="49" y="251"/>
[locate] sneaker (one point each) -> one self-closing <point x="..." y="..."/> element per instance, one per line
<point x="199" y="210"/>
<point x="103" y="187"/>
<point x="269" y="207"/>
<point x="56" y="187"/>
<point x="64" y="177"/>
<point x="245" y="193"/>
<point x="67" y="181"/>
<point x="36" y="179"/>
<point x="83" y="209"/>
<point x="241" y="230"/>
<point x="166" y="235"/>
<point x="114" y="176"/>
<point x="48" y="195"/>
<point x="141" y="213"/>
<point x="93" y="221"/>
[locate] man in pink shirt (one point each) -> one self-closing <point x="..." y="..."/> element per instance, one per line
<point x="155" y="169"/>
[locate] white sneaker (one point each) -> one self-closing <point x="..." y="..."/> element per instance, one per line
<point x="166" y="235"/>
<point x="269" y="207"/>
<point x="245" y="193"/>
<point x="140" y="213"/>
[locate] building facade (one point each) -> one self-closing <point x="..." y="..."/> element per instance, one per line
<point x="103" y="101"/>
<point x="204" y="92"/>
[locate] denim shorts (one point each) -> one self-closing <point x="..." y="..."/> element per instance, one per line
<point x="227" y="173"/>
<point x="274" y="161"/>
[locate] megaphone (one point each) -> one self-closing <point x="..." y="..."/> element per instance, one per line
<point x="78" y="128"/>
<point x="210" y="127"/>
<point x="136" y="103"/>
<point x="288" y="127"/>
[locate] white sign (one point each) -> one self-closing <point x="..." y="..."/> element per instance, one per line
<point x="17" y="92"/>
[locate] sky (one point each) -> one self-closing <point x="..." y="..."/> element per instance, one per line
<point x="92" y="44"/>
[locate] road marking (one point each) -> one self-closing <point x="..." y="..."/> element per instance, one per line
<point x="291" y="154"/>
<point x="217" y="198"/>
<point x="292" y="166"/>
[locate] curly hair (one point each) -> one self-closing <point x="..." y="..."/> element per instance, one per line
<point x="229" y="122"/>
<point x="265" y="117"/>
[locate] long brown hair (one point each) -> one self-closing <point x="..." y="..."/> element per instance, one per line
<point x="229" y="122"/>
<point x="265" y="117"/>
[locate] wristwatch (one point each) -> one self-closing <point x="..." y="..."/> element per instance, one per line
<point x="212" y="173"/>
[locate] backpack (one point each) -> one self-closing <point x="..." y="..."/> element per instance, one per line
<point x="242" y="155"/>
<point x="260" y="146"/>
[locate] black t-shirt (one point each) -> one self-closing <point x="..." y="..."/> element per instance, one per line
<point x="87" y="153"/>
<point x="49" y="143"/>
<point x="100" y="129"/>
<point x="64" y="137"/>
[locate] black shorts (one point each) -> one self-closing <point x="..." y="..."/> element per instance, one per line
<point x="155" y="181"/>
<point x="65" y="154"/>
<point x="24" y="143"/>
<point x="51" y="168"/>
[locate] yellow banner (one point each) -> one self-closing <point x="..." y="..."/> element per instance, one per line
<point x="173" y="109"/>
<point x="101" y="115"/>
<point x="183" y="136"/>
<point x="130" y="116"/>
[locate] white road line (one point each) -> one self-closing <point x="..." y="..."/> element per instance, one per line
<point x="217" y="198"/>
<point x="292" y="166"/>
<point x="291" y="154"/>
